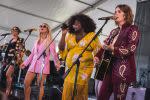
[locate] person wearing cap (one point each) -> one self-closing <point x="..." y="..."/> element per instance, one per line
<point x="13" y="56"/>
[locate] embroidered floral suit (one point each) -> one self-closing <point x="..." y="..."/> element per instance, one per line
<point x="123" y="68"/>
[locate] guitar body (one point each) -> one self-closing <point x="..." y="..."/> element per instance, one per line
<point x="103" y="67"/>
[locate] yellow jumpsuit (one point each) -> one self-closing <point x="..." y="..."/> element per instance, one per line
<point x="70" y="54"/>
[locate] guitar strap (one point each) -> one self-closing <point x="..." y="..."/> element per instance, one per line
<point x="113" y="35"/>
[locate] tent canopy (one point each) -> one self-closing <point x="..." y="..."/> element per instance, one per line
<point x="28" y="14"/>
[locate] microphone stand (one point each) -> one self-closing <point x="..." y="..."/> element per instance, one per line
<point x="14" y="56"/>
<point x="44" y="55"/>
<point x="3" y="38"/>
<point x="20" y="70"/>
<point x="77" y="62"/>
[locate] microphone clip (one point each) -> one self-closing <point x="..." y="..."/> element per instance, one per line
<point x="107" y="18"/>
<point x="30" y="30"/>
<point x="5" y="34"/>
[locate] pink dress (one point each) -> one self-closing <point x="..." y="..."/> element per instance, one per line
<point x="35" y="63"/>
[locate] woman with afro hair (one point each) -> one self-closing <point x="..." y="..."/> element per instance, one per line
<point x="73" y="41"/>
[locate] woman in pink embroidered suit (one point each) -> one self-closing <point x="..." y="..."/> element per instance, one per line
<point x="37" y="64"/>
<point x="123" y="47"/>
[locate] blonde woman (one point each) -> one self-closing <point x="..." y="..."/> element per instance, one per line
<point x="37" y="64"/>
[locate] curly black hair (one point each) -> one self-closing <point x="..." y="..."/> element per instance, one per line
<point x="86" y="22"/>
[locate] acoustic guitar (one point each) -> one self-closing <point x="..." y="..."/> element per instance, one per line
<point x="103" y="67"/>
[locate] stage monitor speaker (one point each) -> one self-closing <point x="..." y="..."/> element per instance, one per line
<point x="54" y="93"/>
<point x="147" y="94"/>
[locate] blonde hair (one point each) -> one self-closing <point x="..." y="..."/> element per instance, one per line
<point x="48" y="37"/>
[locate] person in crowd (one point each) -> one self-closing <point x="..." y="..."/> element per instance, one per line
<point x="13" y="56"/>
<point x="121" y="43"/>
<point x="40" y="65"/>
<point x="73" y="41"/>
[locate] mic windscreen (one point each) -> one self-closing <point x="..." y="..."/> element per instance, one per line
<point x="64" y="26"/>
<point x="30" y="30"/>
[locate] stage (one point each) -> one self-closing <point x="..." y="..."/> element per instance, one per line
<point x="54" y="93"/>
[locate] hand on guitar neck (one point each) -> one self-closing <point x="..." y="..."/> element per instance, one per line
<point x="102" y="65"/>
<point x="108" y="47"/>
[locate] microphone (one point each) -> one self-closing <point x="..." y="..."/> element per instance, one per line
<point x="30" y="30"/>
<point x="5" y="34"/>
<point x="107" y="18"/>
<point x="64" y="26"/>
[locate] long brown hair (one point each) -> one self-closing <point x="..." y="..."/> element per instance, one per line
<point x="128" y="13"/>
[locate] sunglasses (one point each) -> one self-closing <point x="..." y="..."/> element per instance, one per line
<point x="43" y="26"/>
<point x="16" y="30"/>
